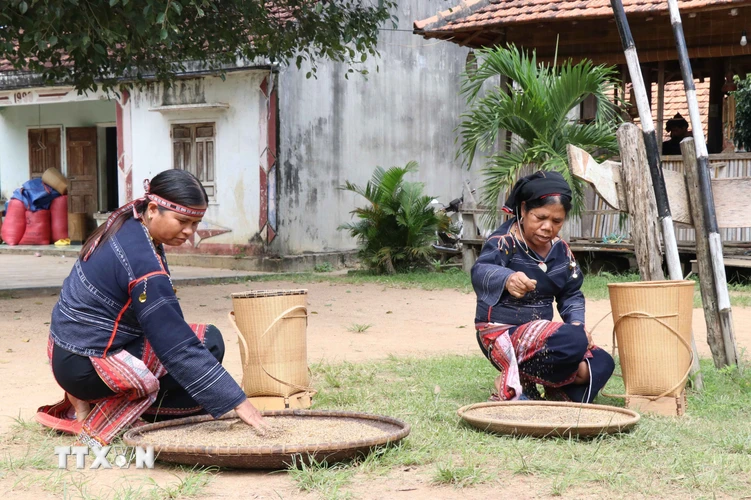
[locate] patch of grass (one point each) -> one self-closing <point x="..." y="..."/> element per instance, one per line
<point x="468" y="473"/>
<point x="190" y="484"/>
<point x="595" y="286"/>
<point x="359" y="327"/>
<point x="702" y="454"/>
<point x="320" y="477"/>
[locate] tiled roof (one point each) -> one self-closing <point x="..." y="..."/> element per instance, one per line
<point x="485" y="13"/>
<point x="675" y="102"/>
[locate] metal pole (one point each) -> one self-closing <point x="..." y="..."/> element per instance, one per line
<point x="650" y="142"/>
<point x="705" y="186"/>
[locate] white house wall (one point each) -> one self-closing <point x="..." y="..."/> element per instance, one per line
<point x="16" y="120"/>
<point x="333" y="130"/>
<point x="237" y="147"/>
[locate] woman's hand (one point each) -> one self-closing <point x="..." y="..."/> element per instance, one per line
<point x="590" y="343"/>
<point x="251" y="416"/>
<point x="518" y="284"/>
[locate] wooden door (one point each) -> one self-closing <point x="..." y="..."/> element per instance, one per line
<point x="44" y="150"/>
<point x="80" y="144"/>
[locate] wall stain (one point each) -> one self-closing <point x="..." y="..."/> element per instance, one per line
<point x="185" y="92"/>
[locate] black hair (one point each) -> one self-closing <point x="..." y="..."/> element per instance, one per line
<point x="549" y="200"/>
<point x="177" y="186"/>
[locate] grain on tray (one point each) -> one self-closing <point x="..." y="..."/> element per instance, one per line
<point x="284" y="431"/>
<point x="554" y="415"/>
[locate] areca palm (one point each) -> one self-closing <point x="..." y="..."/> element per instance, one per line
<point x="397" y="228"/>
<point x="534" y="106"/>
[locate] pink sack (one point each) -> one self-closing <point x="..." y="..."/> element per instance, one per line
<point x="38" y="230"/>
<point x="14" y="225"/>
<point x="59" y="218"/>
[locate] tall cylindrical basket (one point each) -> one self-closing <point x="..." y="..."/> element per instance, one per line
<point x="652" y="321"/>
<point x="271" y="327"/>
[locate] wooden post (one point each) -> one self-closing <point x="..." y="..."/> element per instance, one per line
<point x="707" y="197"/>
<point x="641" y="202"/>
<point x="650" y="141"/>
<point x="661" y="97"/>
<point x="704" y="259"/>
<point x="643" y="210"/>
<point x="469" y="228"/>
<point x="716" y="96"/>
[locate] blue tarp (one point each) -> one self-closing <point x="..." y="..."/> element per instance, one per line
<point x="35" y="195"/>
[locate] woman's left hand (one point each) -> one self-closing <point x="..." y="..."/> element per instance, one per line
<point x="590" y="343"/>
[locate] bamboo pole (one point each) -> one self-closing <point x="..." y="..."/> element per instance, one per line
<point x="653" y="159"/>
<point x="702" y="165"/>
<point x="703" y="258"/>
<point x="650" y="141"/>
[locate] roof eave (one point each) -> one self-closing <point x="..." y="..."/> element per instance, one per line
<point x="17" y="80"/>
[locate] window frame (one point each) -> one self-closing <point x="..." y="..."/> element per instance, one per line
<point x="194" y="140"/>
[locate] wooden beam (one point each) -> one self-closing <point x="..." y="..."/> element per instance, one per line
<point x="716" y="97"/>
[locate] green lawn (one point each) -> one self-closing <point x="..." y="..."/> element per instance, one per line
<point x="595" y="286"/>
<point x="704" y="454"/>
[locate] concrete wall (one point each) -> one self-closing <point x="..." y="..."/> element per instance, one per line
<point x="238" y="127"/>
<point x="16" y="120"/>
<point x="333" y="130"/>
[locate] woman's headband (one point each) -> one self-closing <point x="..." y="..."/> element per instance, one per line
<point x="536" y="186"/>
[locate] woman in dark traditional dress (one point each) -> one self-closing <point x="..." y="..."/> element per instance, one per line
<point x="119" y="345"/>
<point x="523" y="267"/>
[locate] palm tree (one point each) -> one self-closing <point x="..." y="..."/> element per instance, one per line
<point x="398" y="227"/>
<point x="535" y="106"/>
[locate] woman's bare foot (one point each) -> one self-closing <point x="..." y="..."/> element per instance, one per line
<point x="582" y="373"/>
<point x="83" y="408"/>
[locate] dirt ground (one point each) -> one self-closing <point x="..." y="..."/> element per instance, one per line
<point x="404" y="322"/>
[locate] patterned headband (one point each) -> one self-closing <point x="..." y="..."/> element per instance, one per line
<point x="148" y="196"/>
<point x="169" y="205"/>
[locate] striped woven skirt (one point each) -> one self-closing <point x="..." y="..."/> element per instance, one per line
<point x="124" y="386"/>
<point x="546" y="353"/>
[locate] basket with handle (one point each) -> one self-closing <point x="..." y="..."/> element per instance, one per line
<point x="271" y="329"/>
<point x="652" y="326"/>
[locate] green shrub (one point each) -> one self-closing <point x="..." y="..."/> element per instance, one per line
<point x="396" y="229"/>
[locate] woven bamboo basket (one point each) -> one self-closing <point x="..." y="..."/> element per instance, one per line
<point x="652" y="324"/>
<point x="270" y="457"/>
<point x="54" y="179"/>
<point x="538" y="418"/>
<point x="271" y="328"/>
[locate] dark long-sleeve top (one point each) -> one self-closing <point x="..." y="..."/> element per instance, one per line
<point x="99" y="312"/>
<point x="501" y="256"/>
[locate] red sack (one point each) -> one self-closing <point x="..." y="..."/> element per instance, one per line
<point x="14" y="224"/>
<point x="59" y="218"/>
<point x="37" y="228"/>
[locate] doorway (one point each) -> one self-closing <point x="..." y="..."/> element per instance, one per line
<point x="108" y="175"/>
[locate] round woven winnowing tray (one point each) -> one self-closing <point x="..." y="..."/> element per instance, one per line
<point x="272" y="456"/>
<point x="548" y="418"/>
